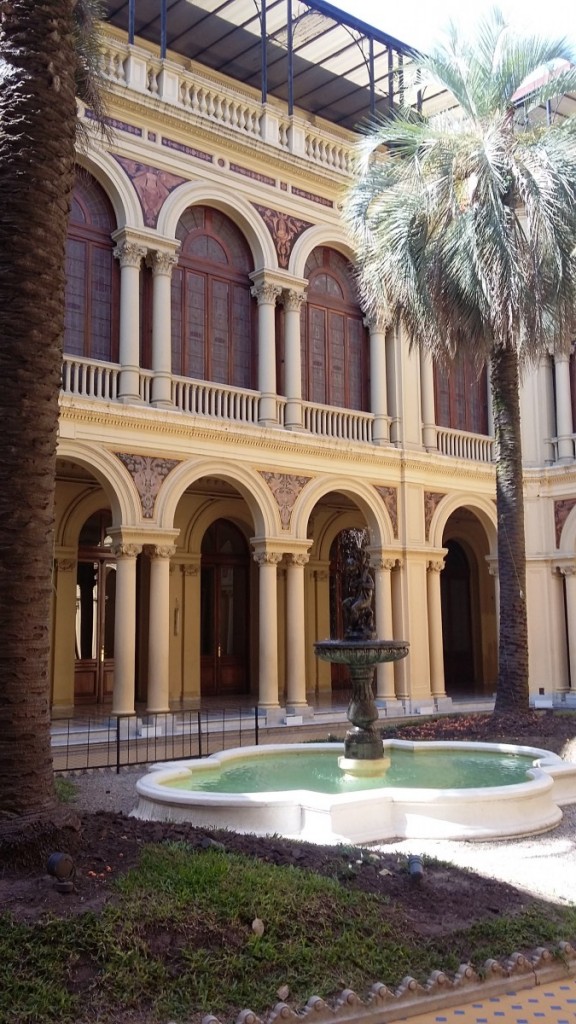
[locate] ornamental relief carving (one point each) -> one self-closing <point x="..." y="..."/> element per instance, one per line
<point x="562" y="510"/>
<point x="148" y="474"/>
<point x="389" y="496"/>
<point x="431" y="501"/>
<point x="152" y="186"/>
<point x="285" y="230"/>
<point x="285" y="489"/>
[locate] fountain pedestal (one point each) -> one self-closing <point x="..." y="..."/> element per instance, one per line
<point x="363" y="752"/>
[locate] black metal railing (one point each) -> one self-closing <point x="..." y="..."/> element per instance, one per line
<point x="124" y="740"/>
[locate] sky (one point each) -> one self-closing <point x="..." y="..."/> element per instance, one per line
<point x="419" y="22"/>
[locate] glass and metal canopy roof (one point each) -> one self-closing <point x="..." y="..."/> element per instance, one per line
<point x="307" y="53"/>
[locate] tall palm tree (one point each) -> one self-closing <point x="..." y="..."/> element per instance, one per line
<point x="464" y="224"/>
<point x="41" y="63"/>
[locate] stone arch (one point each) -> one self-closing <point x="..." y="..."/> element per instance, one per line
<point x="117" y="186"/>
<point x="234" y="206"/>
<point x="364" y="495"/>
<point x="111" y="475"/>
<point x="207" y="515"/>
<point x="483" y="508"/>
<point x="331" y="529"/>
<point x="321" y="234"/>
<point x="248" y="483"/>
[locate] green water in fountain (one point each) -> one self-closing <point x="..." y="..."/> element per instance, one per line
<point x="319" y="771"/>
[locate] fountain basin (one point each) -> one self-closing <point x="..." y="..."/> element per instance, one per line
<point x="373" y="814"/>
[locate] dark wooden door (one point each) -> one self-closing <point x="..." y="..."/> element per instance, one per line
<point x="224" y="624"/>
<point x="457" y="631"/>
<point x="95" y="612"/>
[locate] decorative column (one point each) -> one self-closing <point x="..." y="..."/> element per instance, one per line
<point x="435" y="646"/>
<point x="378" y="387"/>
<point x="268" y="628"/>
<point x="158" y="699"/>
<point x="63" y="631"/>
<point x="493" y="571"/>
<point x="564" y="424"/>
<point x="382" y="568"/>
<point x="266" y="294"/>
<point x="295" y="632"/>
<point x="161" y="263"/>
<point x="292" y="300"/>
<point x="400" y="673"/>
<point x="129" y="254"/>
<point x="429" y="438"/>
<point x="191" y="631"/>
<point x="125" y="628"/>
<point x="569" y="574"/>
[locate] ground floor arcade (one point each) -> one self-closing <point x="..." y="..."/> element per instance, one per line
<point x="178" y="581"/>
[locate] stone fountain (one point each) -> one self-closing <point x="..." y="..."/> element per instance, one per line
<point x="361" y="651"/>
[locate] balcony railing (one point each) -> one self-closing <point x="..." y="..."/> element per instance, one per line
<point x="88" y="379"/>
<point x="462" y="445"/>
<point x="200" y="398"/>
<point x="194" y="92"/>
<point x="345" y="424"/>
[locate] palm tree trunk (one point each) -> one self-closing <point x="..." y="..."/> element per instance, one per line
<point x="37" y="143"/>
<point x="512" y="693"/>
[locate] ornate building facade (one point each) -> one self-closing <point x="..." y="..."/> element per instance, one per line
<point x="227" y="409"/>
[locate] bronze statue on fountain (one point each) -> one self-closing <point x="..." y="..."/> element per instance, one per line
<point x="361" y="651"/>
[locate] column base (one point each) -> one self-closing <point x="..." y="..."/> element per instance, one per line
<point x="390" y="705"/>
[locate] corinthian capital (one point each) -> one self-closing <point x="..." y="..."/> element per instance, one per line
<point x="293" y="299"/>
<point x="161" y="262"/>
<point x="267" y="557"/>
<point x="129" y="254"/>
<point x="266" y="294"/>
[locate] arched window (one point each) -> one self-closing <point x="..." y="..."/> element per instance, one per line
<point x="461" y="396"/>
<point x="335" y="347"/>
<point x="213" y="313"/>
<point x="92" y="275"/>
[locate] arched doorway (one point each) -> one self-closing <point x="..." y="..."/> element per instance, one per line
<point x="457" y="631"/>
<point x="95" y="612"/>
<point x="224" y="612"/>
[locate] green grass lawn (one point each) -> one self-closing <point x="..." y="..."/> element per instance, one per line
<point x="176" y="941"/>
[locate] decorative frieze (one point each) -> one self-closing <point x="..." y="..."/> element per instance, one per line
<point x="431" y="501"/>
<point x="562" y="510"/>
<point x="285" y="230"/>
<point x="312" y="197"/>
<point x="181" y="147"/>
<point x="148" y="474"/>
<point x="152" y="186"/>
<point x="286" y="488"/>
<point x="66" y="564"/>
<point x="389" y="496"/>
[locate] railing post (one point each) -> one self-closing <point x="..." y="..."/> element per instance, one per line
<point x="199" y="714"/>
<point x="118" y="745"/>
<point x="256" y="727"/>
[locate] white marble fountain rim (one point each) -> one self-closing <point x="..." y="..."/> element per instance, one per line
<point x="371" y="815"/>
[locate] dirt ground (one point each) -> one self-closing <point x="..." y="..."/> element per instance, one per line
<point x="449" y="898"/>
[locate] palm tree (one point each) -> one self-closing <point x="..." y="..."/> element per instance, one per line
<point x="41" y="64"/>
<point x="464" y="225"/>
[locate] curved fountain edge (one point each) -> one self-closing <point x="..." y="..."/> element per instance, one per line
<point x="384" y="1005"/>
<point x="506" y="811"/>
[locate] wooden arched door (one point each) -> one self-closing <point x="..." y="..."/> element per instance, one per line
<point x="95" y="613"/>
<point x="224" y="617"/>
<point x="457" y="632"/>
